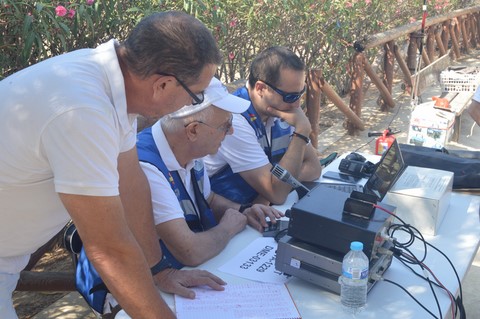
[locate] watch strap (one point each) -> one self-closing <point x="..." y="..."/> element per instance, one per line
<point x="163" y="264"/>
<point x="303" y="137"/>
<point x="243" y="207"/>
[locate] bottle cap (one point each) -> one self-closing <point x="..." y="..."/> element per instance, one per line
<point x="356" y="245"/>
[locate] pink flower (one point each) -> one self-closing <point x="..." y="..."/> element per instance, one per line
<point x="60" y="11"/>
<point x="412" y="20"/>
<point x="348" y="4"/>
<point x="71" y="13"/>
<point x="231" y="56"/>
<point x="90" y="2"/>
<point x="233" y="23"/>
<point x="367" y="2"/>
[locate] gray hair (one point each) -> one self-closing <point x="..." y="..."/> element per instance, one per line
<point x="173" y="124"/>
<point x="170" y="42"/>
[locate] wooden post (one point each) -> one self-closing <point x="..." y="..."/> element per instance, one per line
<point x="425" y="58"/>
<point x="438" y="40"/>
<point x="388" y="68"/>
<point x="314" y="95"/>
<point x="464" y="34"/>
<point x="356" y="89"/>
<point x="456" y="30"/>
<point x="430" y="45"/>
<point x="477" y="26"/>
<point x="456" y="48"/>
<point x="403" y="66"/>
<point x="472" y="30"/>
<point x="337" y="100"/>
<point x="46" y="281"/>
<point x="412" y="53"/>
<point x="376" y="80"/>
<point x="446" y="33"/>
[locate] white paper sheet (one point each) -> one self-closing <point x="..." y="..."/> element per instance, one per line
<point x="246" y="301"/>
<point x="256" y="262"/>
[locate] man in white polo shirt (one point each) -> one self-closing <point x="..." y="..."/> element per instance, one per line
<point x="68" y="151"/>
<point x="273" y="130"/>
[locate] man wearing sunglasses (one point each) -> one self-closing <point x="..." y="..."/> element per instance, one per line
<point x="273" y="130"/>
<point x="193" y="223"/>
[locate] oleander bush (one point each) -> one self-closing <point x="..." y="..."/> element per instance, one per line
<point x="322" y="32"/>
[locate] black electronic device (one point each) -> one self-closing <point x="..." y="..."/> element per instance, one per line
<point x="322" y="266"/>
<point x="332" y="218"/>
<point x="386" y="173"/>
<point x="285" y="176"/>
<point x="273" y="229"/>
<point x="341" y="177"/>
<point x="356" y="165"/>
<point x="356" y="157"/>
<point x="319" y="219"/>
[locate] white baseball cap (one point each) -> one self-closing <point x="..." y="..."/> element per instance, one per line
<point x="215" y="94"/>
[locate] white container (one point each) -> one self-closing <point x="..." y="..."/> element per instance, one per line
<point x="422" y="196"/>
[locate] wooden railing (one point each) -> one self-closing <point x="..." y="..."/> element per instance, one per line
<point x="446" y="37"/>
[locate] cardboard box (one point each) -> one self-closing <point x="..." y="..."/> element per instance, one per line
<point x="430" y="127"/>
<point x="422" y="196"/>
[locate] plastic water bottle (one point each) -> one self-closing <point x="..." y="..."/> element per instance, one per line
<point x="354" y="279"/>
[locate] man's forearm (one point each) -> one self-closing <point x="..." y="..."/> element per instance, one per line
<point x="116" y="255"/>
<point x="137" y="204"/>
<point x="311" y="168"/>
<point x="292" y="161"/>
<point x="128" y="278"/>
<point x="474" y="111"/>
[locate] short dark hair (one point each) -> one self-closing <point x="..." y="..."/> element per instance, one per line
<point x="268" y="64"/>
<point x="170" y="42"/>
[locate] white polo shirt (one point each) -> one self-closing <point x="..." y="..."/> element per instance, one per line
<point x="165" y="203"/>
<point x="64" y="123"/>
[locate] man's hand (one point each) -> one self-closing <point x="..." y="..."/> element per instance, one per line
<point x="177" y="281"/>
<point x="295" y="117"/>
<point x="257" y="213"/>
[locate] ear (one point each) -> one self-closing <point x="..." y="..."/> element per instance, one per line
<point x="161" y="85"/>
<point x="260" y="87"/>
<point x="191" y="130"/>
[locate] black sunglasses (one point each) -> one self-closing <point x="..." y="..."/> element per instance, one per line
<point x="197" y="98"/>
<point x="288" y="97"/>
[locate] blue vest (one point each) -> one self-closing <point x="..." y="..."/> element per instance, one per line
<point x="231" y="185"/>
<point x="197" y="220"/>
<point x="88" y="281"/>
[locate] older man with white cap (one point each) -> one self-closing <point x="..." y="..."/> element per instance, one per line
<point x="193" y="223"/>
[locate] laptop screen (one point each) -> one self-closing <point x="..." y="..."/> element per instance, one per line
<point x="388" y="170"/>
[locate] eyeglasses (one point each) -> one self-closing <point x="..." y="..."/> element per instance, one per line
<point x="224" y="128"/>
<point x="197" y="98"/>
<point x="288" y="97"/>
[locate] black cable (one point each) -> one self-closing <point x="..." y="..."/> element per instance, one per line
<point x="453" y="267"/>
<point x="416" y="234"/>
<point x="280" y="234"/>
<point x="411" y="296"/>
<point x="458" y="303"/>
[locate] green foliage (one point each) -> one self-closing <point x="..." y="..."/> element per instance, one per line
<point x="322" y="32"/>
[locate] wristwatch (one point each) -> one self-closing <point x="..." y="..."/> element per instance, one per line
<point x="243" y="207"/>
<point x="163" y="264"/>
<point x="303" y="137"/>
